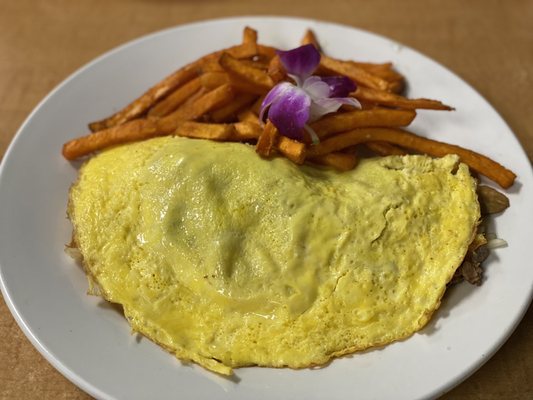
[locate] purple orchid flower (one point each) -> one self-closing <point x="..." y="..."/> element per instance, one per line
<point x="291" y="107"/>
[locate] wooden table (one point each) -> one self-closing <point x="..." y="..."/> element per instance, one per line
<point x="488" y="43"/>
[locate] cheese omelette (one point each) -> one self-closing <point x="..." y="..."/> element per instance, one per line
<point x="229" y="260"/>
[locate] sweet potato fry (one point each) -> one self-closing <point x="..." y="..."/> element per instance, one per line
<point x="229" y="111"/>
<point x="384" y="71"/>
<point x="240" y="51"/>
<point x="248" y="115"/>
<point x="256" y="107"/>
<point x="275" y="70"/>
<point x="202" y="91"/>
<point x="161" y="89"/>
<point x="394" y="100"/>
<point x="246" y="130"/>
<point x="355" y="73"/>
<point x="149" y="98"/>
<point x="339" y="161"/>
<point x="249" y="35"/>
<point x="174" y="100"/>
<point x="266" y="51"/>
<point x="397" y="86"/>
<point x="213" y="79"/>
<point x="240" y="131"/>
<point x="253" y="77"/>
<point x="249" y="38"/>
<point x="310" y="38"/>
<point x="211" y="65"/>
<point x="267" y="141"/>
<point x="373" y="67"/>
<point x="217" y="97"/>
<point x="243" y="86"/>
<point x="245" y="50"/>
<point x="199" y="130"/>
<point x="385" y="149"/>
<point x="341" y="122"/>
<point x="131" y="131"/>
<point x="477" y="162"/>
<point x="293" y="150"/>
<point x="258" y="64"/>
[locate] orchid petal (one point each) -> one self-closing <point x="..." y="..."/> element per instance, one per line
<point x="290" y="112"/>
<point x="350" y="101"/>
<point x="272" y="96"/>
<point x="301" y="61"/>
<point x="340" y="86"/>
<point x="290" y="107"/>
<point x="316" y="88"/>
<point x="321" y="107"/>
<point x="314" y="137"/>
<point x="320" y="92"/>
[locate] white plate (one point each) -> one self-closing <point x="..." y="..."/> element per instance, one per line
<point x="91" y="344"/>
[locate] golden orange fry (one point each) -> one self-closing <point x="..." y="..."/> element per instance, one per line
<point x="246" y="130"/>
<point x="385" y="71"/>
<point x="161" y="89"/>
<point x="355" y="73"/>
<point x="248" y="116"/>
<point x="149" y="98"/>
<point x="341" y="122"/>
<point x="199" y="130"/>
<point x="257" y="64"/>
<point x="266" y="51"/>
<point x="229" y="111"/>
<point x="292" y="149"/>
<point x="256" y="107"/>
<point x="385" y="149"/>
<point x="240" y="131"/>
<point x="477" y="162"/>
<point x="337" y="160"/>
<point x="174" y="100"/>
<point x="213" y="79"/>
<point x="141" y="129"/>
<point x="217" y="97"/>
<point x="276" y="71"/>
<point x="249" y="35"/>
<point x="210" y="65"/>
<point x="253" y="77"/>
<point x="131" y="131"/>
<point x="310" y="38"/>
<point x="267" y="141"/>
<point x="394" y="100"/>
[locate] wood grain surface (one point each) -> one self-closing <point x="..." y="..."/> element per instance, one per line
<point x="487" y="43"/>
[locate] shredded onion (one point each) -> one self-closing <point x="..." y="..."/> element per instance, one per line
<point x="496" y="243"/>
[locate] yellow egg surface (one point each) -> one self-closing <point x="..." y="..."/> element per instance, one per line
<point x="229" y="260"/>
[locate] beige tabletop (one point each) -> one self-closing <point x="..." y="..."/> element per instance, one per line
<point x="488" y="43"/>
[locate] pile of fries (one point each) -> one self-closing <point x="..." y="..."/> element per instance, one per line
<point x="218" y="97"/>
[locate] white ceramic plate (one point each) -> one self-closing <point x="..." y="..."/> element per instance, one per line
<point x="90" y="343"/>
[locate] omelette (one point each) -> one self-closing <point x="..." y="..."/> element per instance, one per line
<point x="229" y="260"/>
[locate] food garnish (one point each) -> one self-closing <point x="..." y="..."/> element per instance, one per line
<point x="291" y="107"/>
